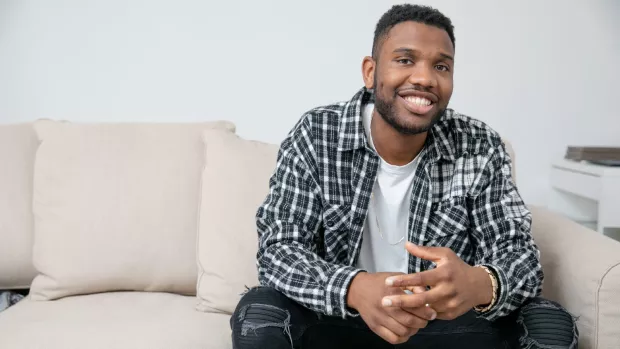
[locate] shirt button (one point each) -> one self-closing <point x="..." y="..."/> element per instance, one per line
<point x="357" y="220"/>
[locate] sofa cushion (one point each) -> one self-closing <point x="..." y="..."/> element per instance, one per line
<point x="582" y="272"/>
<point x="120" y="320"/>
<point x="18" y="145"/>
<point x="116" y="207"/>
<point x="235" y="181"/>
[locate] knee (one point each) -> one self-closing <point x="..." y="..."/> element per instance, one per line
<point x="258" y="322"/>
<point x="546" y="324"/>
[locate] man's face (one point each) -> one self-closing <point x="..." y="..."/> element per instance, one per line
<point x="412" y="76"/>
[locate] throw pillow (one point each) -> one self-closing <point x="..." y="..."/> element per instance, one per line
<point x="116" y="207"/>
<point x="235" y="182"/>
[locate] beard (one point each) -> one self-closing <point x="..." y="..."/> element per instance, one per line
<point x="387" y="110"/>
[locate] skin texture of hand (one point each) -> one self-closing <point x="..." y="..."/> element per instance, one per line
<point x="394" y="324"/>
<point x="456" y="287"/>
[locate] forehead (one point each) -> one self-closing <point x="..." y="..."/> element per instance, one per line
<point x="418" y="35"/>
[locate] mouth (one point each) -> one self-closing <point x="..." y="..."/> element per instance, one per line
<point x="417" y="105"/>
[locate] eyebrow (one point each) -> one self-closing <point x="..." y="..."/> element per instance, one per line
<point x="411" y="52"/>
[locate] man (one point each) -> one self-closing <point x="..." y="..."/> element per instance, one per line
<point x="392" y="219"/>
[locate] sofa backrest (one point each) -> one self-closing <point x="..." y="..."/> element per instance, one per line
<point x="512" y="158"/>
<point x="18" y="149"/>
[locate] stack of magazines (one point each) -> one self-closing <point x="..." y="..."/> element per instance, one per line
<point x="607" y="156"/>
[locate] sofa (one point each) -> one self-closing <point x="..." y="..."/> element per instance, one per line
<point x="142" y="236"/>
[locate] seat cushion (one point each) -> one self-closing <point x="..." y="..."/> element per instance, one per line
<point x="18" y="145"/>
<point x="235" y="181"/>
<point x="116" y="207"/>
<point x="120" y="320"/>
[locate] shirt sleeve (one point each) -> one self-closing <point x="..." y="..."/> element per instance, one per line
<point x="502" y="234"/>
<point x="289" y="223"/>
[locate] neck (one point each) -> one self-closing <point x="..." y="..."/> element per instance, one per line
<point x="394" y="147"/>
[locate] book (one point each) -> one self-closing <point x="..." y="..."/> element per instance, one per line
<point x="602" y="155"/>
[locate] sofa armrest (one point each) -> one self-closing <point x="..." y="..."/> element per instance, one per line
<point x="582" y="272"/>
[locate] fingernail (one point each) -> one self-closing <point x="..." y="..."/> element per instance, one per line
<point x="389" y="281"/>
<point x="433" y="316"/>
<point x="387" y="302"/>
<point x="410" y="244"/>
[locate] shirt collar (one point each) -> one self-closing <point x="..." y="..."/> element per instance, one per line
<point x="351" y="135"/>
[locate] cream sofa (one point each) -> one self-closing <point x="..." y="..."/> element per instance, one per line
<point x="141" y="236"/>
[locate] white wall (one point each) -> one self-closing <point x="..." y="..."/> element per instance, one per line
<point x="543" y="73"/>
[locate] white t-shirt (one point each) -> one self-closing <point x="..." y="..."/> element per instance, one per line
<point x="389" y="209"/>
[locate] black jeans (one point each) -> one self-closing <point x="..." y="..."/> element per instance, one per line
<point x="265" y="318"/>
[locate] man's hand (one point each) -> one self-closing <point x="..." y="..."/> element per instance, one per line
<point x="393" y="324"/>
<point x="456" y="287"/>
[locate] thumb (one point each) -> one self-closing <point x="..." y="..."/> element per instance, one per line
<point x="433" y="254"/>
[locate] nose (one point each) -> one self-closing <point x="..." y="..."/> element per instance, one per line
<point x="422" y="75"/>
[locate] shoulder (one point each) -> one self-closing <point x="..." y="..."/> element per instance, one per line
<point x="466" y="134"/>
<point x="318" y="123"/>
<point x="324" y="118"/>
<point x="316" y="127"/>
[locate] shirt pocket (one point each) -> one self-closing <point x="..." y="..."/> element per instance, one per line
<point x="336" y="232"/>
<point x="448" y="224"/>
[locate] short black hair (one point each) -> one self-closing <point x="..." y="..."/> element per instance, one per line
<point x="407" y="12"/>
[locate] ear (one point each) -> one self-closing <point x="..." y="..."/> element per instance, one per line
<point x="368" y="71"/>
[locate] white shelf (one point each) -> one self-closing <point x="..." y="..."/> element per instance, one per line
<point x="586" y="167"/>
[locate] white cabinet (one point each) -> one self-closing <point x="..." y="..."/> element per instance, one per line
<point x="582" y="180"/>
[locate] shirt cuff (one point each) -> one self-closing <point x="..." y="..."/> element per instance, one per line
<point x="337" y="290"/>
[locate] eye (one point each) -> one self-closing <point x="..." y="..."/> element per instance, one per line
<point x="442" y="67"/>
<point x="404" y="61"/>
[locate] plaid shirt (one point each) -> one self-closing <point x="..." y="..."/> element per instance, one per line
<point x="311" y="223"/>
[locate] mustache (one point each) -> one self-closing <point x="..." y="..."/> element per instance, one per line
<point x="413" y="88"/>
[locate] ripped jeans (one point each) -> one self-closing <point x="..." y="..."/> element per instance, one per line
<point x="266" y="318"/>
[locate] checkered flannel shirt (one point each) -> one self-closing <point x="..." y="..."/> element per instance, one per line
<point x="464" y="198"/>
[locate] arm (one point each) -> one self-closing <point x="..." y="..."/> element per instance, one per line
<point x="502" y="234"/>
<point x="289" y="223"/>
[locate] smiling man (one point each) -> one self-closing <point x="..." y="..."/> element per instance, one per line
<point x="394" y="220"/>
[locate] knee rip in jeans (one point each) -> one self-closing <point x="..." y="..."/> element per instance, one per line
<point x="250" y="325"/>
<point x="527" y="340"/>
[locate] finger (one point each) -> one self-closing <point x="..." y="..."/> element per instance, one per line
<point x="392" y="324"/>
<point x="447" y="316"/>
<point x="426" y="313"/>
<point x="390" y="336"/>
<point x="452" y="313"/>
<point x="417" y="289"/>
<point x="426" y="278"/>
<point x="408" y="319"/>
<point x="451" y="309"/>
<point x="434" y="254"/>
<point x="433" y="296"/>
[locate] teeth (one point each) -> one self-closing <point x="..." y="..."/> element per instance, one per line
<point x="418" y="100"/>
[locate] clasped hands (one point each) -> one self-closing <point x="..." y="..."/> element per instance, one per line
<point x="396" y="315"/>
